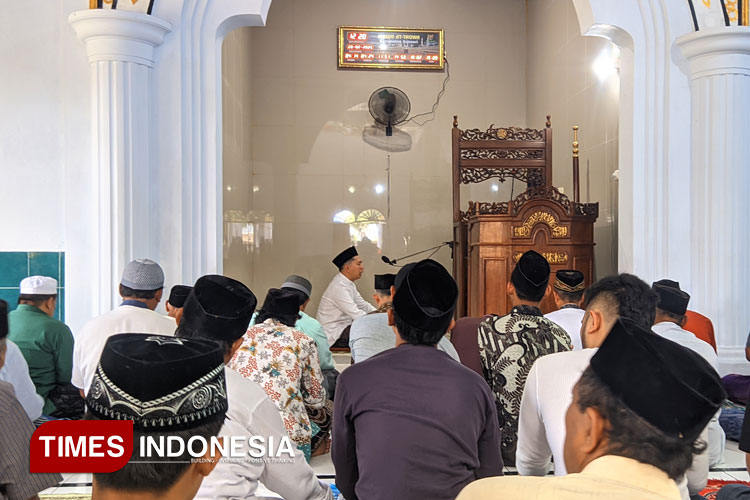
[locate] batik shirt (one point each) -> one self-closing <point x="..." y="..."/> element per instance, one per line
<point x="508" y="346"/>
<point x="284" y="362"/>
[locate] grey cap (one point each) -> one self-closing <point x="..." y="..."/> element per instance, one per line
<point x="298" y="283"/>
<point x="143" y="274"/>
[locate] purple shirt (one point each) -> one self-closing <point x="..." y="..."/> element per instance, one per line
<point x="412" y="423"/>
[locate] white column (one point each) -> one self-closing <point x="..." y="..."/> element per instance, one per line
<point x="719" y="71"/>
<point x="120" y="48"/>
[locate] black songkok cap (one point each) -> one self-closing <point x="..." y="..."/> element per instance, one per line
<point x="280" y="304"/>
<point x="569" y="280"/>
<point x="384" y="281"/>
<point x="344" y="257"/>
<point x="671" y="298"/>
<point x="160" y="383"/>
<point x="218" y="308"/>
<point x="3" y="319"/>
<point x="425" y="296"/>
<point x="669" y="283"/>
<point x="531" y="274"/>
<point x="669" y="386"/>
<point x="178" y="294"/>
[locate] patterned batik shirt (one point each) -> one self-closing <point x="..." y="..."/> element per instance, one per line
<point x="508" y="346"/>
<point x="284" y="362"/>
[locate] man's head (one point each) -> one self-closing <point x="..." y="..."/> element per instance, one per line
<point x="613" y="297"/>
<point x="142" y="280"/>
<point x="349" y="264"/>
<point x="642" y="397"/>
<point x="299" y="286"/>
<point x="568" y="287"/>
<point x="423" y="303"/>
<point x="279" y="305"/>
<point x="383" y="284"/>
<point x="168" y="387"/>
<point x="673" y="302"/>
<point x="3" y="330"/>
<point x="218" y="308"/>
<point x="176" y="301"/>
<point x="529" y="279"/>
<point x="40" y="292"/>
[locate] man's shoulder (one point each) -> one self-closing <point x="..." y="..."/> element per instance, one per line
<point x="6" y="390"/>
<point x="566" y="360"/>
<point x="243" y="392"/>
<point x="568" y="312"/>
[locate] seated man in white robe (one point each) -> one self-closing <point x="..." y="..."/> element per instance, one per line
<point x="341" y="303"/>
<point x="220" y="308"/>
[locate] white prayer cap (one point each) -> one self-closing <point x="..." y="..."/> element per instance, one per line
<point x="143" y="274"/>
<point x="39" y="285"/>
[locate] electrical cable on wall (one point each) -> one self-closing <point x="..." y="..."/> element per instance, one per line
<point x="437" y="100"/>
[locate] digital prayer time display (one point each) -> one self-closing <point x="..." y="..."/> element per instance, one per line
<point x="388" y="48"/>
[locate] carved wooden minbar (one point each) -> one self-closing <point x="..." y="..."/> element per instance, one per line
<point x="490" y="237"/>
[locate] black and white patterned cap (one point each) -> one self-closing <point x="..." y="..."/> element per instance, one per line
<point x="143" y="274"/>
<point x="161" y="383"/>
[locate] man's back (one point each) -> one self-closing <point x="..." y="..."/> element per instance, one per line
<point x="251" y="413"/>
<point x="370" y="335"/>
<point x="47" y="346"/>
<point x="610" y="477"/>
<point x="94" y="334"/>
<point x="508" y="346"/>
<point x="15" y="371"/>
<point x="410" y="423"/>
<point x="546" y="397"/>
<point x="570" y="319"/>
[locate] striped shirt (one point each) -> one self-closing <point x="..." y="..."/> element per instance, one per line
<point x="16" y="482"/>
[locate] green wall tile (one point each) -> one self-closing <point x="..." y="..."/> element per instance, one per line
<point x="10" y="295"/>
<point x="45" y="264"/>
<point x="13" y="268"/>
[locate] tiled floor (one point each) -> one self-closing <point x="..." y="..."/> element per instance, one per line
<point x="731" y="469"/>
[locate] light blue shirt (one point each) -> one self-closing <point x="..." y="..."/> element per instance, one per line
<point x="15" y="371"/>
<point x="313" y="329"/>
<point x="370" y="335"/>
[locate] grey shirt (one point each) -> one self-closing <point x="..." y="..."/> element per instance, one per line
<point x="371" y="334"/>
<point x="16" y="482"/>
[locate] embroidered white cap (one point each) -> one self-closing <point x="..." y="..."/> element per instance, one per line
<point x="39" y="285"/>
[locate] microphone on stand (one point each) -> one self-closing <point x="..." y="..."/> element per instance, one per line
<point x="388" y="261"/>
<point x="434" y="249"/>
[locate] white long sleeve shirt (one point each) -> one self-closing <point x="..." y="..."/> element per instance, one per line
<point x="15" y="371"/>
<point x="569" y="318"/>
<point x="339" y="306"/>
<point x="541" y="425"/>
<point x="251" y="413"/>
<point x="89" y="342"/>
<point x="541" y="422"/>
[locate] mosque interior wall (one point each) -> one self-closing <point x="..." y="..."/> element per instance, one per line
<point x="295" y="158"/>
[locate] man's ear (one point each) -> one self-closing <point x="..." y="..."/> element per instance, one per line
<point x="159" y="294"/>
<point x="178" y="314"/>
<point x="595" y="430"/>
<point x="547" y="291"/>
<point x="391" y="318"/>
<point x="510" y="289"/>
<point x="596" y="321"/>
<point x="209" y="461"/>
